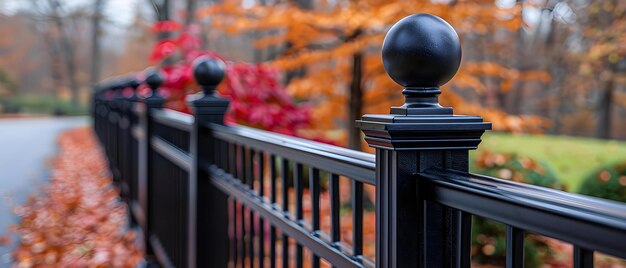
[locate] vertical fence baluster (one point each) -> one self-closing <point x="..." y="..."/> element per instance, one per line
<point x="514" y="247"/>
<point x="217" y="150"/>
<point x="244" y="254"/>
<point x="251" y="178"/>
<point x="357" y="218"/>
<point x="314" y="189"/>
<point x="273" y="200"/>
<point x="284" y="174"/>
<point x="220" y="154"/>
<point x="299" y="187"/>
<point x="240" y="162"/>
<point x="583" y="258"/>
<point x="235" y="234"/>
<point x="464" y="245"/>
<point x="335" y="205"/>
<point x="243" y="177"/>
<point x="232" y="158"/>
<point x="261" y="165"/>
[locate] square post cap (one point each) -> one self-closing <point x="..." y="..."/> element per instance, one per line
<point x="422" y="52"/>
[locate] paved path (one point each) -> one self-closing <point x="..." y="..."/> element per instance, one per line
<point x="25" y="147"/>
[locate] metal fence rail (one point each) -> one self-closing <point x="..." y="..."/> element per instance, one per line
<point x="247" y="153"/>
<point x="207" y="194"/>
<point x="523" y="207"/>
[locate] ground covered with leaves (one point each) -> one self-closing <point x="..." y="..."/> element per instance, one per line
<point x="77" y="220"/>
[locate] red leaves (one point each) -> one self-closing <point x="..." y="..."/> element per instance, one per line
<point x="163" y="49"/>
<point x="259" y="100"/>
<point x="188" y="41"/>
<point x="257" y="97"/>
<point x="78" y="221"/>
<point x="166" y="26"/>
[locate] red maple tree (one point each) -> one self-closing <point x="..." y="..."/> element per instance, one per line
<point x="257" y="97"/>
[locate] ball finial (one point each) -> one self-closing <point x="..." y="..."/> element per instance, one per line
<point x="421" y="51"/>
<point x="133" y="83"/>
<point x="154" y="78"/>
<point x="208" y="72"/>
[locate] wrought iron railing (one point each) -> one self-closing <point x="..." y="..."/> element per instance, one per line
<point x="208" y="194"/>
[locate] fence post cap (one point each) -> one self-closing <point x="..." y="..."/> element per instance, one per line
<point x="208" y="72"/>
<point x="154" y="78"/>
<point x="133" y="83"/>
<point x="208" y="106"/>
<point x="421" y="51"/>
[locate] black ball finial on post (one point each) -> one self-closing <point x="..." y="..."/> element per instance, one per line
<point x="208" y="73"/>
<point x="208" y="106"/>
<point x="421" y="52"/>
<point x="134" y="83"/>
<point x="154" y="79"/>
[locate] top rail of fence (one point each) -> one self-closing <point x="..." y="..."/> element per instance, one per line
<point x="357" y="165"/>
<point x="589" y="222"/>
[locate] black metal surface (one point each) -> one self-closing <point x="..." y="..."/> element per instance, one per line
<point x="335" y="204"/>
<point x="168" y="208"/>
<point x="173" y="119"/>
<point x="583" y="258"/>
<point x="314" y="188"/>
<point x="288" y="228"/>
<point x="341" y="161"/>
<point x="172" y="153"/>
<point x="514" y="247"/>
<point x="197" y="187"/>
<point x="540" y="210"/>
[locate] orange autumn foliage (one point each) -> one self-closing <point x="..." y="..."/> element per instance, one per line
<point x="322" y="41"/>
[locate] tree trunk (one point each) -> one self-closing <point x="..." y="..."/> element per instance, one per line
<point x="67" y="51"/>
<point x="95" y="42"/>
<point x="55" y="63"/>
<point x="162" y="10"/>
<point x="603" y="129"/>
<point x="191" y="12"/>
<point x="356" y="102"/>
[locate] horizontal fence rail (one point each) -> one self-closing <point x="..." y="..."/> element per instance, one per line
<point x="209" y="194"/>
<point x="341" y="161"/>
<point x="245" y="154"/>
<point x="588" y="223"/>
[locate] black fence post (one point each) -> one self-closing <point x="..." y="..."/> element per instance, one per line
<point x="123" y="138"/>
<point x="133" y="142"/>
<point x="114" y="120"/>
<point x="211" y="214"/>
<point x="421" y="52"/>
<point x="155" y="101"/>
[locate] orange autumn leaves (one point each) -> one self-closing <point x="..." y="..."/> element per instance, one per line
<point x="78" y="221"/>
<point x="322" y="41"/>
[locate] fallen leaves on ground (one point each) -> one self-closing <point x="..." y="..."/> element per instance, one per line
<point x="78" y="219"/>
<point x="4" y="240"/>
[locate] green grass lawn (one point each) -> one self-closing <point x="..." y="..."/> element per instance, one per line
<point x="572" y="158"/>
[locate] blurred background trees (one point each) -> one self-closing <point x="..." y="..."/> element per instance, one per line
<point x="538" y="66"/>
<point x="526" y="63"/>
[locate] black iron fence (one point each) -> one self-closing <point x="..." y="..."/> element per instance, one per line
<point x="208" y="194"/>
